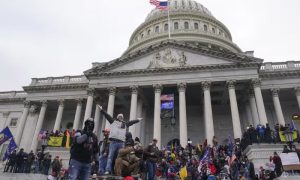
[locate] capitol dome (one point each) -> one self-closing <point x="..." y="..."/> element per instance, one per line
<point x="190" y="21"/>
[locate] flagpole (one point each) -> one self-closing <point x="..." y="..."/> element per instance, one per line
<point x="169" y="28"/>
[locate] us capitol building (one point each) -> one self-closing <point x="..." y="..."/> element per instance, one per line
<point x="218" y="89"/>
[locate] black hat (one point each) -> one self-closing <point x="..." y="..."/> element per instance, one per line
<point x="129" y="142"/>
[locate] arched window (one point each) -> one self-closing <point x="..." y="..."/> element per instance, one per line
<point x="213" y="30"/>
<point x="176" y="25"/>
<point x="186" y="25"/>
<point x="220" y="32"/>
<point x="142" y="35"/>
<point x="205" y="27"/>
<point x="166" y="27"/>
<point x="157" y="29"/>
<point x="196" y="26"/>
<point x="148" y="32"/>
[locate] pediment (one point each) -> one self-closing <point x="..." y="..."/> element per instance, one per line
<point x="170" y="57"/>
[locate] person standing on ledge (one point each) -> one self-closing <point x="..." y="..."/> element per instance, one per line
<point x="118" y="128"/>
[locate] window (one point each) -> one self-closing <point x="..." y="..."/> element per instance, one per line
<point x="149" y="31"/>
<point x="176" y="25"/>
<point x="157" y="29"/>
<point x="166" y="27"/>
<point x="142" y="35"/>
<point x="220" y="33"/>
<point x="205" y="27"/>
<point x="13" y="122"/>
<point x="176" y="4"/>
<point x="186" y="25"/>
<point x="213" y="30"/>
<point x="196" y="26"/>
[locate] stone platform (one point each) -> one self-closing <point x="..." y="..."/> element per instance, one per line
<point x="260" y="153"/>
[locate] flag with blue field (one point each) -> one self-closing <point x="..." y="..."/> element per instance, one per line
<point x="162" y="5"/>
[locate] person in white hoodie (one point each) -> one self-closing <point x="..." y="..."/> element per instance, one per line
<point x="118" y="129"/>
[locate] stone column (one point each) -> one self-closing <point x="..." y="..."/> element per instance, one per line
<point x="297" y="92"/>
<point x="260" y="102"/>
<point x="59" y="115"/>
<point x="253" y="107"/>
<point x="237" y="131"/>
<point x="77" y="114"/>
<point x="22" y="122"/>
<point x="97" y="120"/>
<point x="208" y="116"/>
<point x="182" y="115"/>
<point x="89" y="104"/>
<point x="111" y="104"/>
<point x="157" y="120"/>
<point x="133" y="108"/>
<point x="139" y="113"/>
<point x="249" y="114"/>
<point x="39" y="125"/>
<point x="277" y="106"/>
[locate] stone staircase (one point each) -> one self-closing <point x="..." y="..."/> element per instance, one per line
<point x="21" y="176"/>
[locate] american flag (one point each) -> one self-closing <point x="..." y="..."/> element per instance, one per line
<point x="162" y="5"/>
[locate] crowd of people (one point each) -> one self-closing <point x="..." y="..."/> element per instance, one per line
<point x="39" y="163"/>
<point x="265" y="134"/>
<point x="120" y="154"/>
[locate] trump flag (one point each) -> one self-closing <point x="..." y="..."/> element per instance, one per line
<point x="12" y="146"/>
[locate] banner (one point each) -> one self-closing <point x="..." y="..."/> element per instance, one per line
<point x="283" y="138"/>
<point x="55" y="141"/>
<point x="289" y="158"/>
<point x="11" y="147"/>
<point x="5" y="134"/>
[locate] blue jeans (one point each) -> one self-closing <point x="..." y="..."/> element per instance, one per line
<point x="102" y="164"/>
<point x="151" y="167"/>
<point x="79" y="170"/>
<point x="113" y="149"/>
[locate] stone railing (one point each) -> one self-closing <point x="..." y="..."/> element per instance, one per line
<point x="59" y="80"/>
<point x="13" y="94"/>
<point x="277" y="66"/>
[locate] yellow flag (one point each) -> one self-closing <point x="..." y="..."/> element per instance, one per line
<point x="68" y="140"/>
<point x="183" y="173"/>
<point x="55" y="141"/>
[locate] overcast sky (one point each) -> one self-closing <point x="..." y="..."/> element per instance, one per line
<point x="45" y="38"/>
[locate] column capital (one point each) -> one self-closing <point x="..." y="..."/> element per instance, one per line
<point x="206" y="85"/>
<point x="275" y="92"/>
<point x="33" y="108"/>
<point x="61" y="102"/>
<point x="79" y="101"/>
<point x="231" y="84"/>
<point x="181" y="87"/>
<point x="134" y="89"/>
<point x="256" y="82"/>
<point x="90" y="91"/>
<point x="157" y="88"/>
<point x="26" y="104"/>
<point x="297" y="91"/>
<point x="44" y="103"/>
<point x="112" y="90"/>
<point x="251" y="93"/>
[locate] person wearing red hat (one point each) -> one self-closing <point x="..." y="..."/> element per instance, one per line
<point x="104" y="151"/>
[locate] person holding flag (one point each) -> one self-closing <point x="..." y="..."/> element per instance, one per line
<point x="11" y="155"/>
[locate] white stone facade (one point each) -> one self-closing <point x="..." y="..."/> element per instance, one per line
<point x="218" y="91"/>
